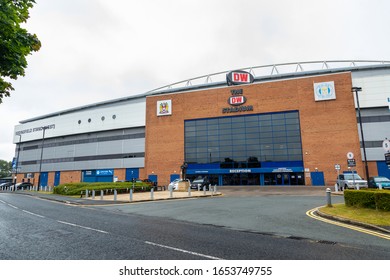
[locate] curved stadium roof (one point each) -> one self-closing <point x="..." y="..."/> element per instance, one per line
<point x="261" y="73"/>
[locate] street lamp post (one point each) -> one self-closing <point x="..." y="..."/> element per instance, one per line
<point x="17" y="162"/>
<point x="40" y="162"/>
<point x="356" y="90"/>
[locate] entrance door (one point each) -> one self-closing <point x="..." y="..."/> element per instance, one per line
<point x="57" y="178"/>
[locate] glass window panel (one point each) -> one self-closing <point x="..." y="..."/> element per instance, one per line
<point x="201" y="133"/>
<point x="277" y="116"/>
<point x="265" y="129"/>
<point x="279" y="134"/>
<point x="224" y="120"/>
<point x="251" y="118"/>
<point x="292" y="127"/>
<point x="201" y="123"/>
<point x="225" y="126"/>
<point x="295" y="157"/>
<point x="292" y="133"/>
<point x="255" y="129"/>
<point x="239" y="142"/>
<point x="294" y="146"/>
<point x="225" y="137"/>
<point x="201" y="128"/>
<point x="201" y="138"/>
<point x="278" y="128"/>
<point x="190" y="150"/>
<point x="292" y="121"/>
<point x="292" y="115"/>
<point x="294" y="151"/>
<point x="189" y="129"/>
<point x="265" y="123"/>
<point x="211" y="122"/>
<point x="238" y="130"/>
<point x="264" y="134"/>
<point x="278" y="122"/>
<point x="252" y="141"/>
<point x="225" y="148"/>
<point x="265" y="117"/>
<point x="213" y="138"/>
<point x="213" y="128"/>
<point x="279" y="139"/>
<point x="280" y="152"/>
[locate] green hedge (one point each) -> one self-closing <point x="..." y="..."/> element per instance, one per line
<point x="373" y="199"/>
<point x="78" y="188"/>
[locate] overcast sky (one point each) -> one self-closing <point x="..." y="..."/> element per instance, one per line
<point x="96" y="50"/>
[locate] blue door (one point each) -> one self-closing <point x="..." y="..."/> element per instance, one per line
<point x="57" y="178"/>
<point x="383" y="170"/>
<point x="317" y="178"/>
<point x="174" y="177"/>
<point x="132" y="173"/>
<point x="153" y="178"/>
<point x="44" y="176"/>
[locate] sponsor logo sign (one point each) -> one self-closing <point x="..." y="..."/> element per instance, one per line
<point x="236" y="100"/>
<point x="324" y="91"/>
<point x="239" y="77"/>
<point x="164" y="108"/>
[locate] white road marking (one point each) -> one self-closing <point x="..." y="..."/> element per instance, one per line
<point x="12" y="206"/>
<point x="183" y="251"/>
<point x="31" y="213"/>
<point x="74" y="225"/>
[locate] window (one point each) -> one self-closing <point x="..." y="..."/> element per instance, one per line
<point x="240" y="139"/>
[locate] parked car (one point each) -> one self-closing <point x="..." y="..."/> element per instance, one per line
<point x="351" y="181"/>
<point x="374" y="182"/>
<point x="174" y="184"/>
<point x="200" y="182"/>
<point x="6" y="185"/>
<point x="23" y="186"/>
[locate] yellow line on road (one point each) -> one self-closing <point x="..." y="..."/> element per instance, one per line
<point x="311" y="214"/>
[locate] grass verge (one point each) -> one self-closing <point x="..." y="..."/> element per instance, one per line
<point x="369" y="216"/>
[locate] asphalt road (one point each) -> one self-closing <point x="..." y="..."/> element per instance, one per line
<point x="233" y="226"/>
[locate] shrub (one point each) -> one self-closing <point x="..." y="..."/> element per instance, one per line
<point x="78" y="188"/>
<point x="373" y="199"/>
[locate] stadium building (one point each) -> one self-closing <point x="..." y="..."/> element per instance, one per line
<point x="285" y="124"/>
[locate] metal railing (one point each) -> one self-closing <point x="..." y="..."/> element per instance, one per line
<point x="271" y="70"/>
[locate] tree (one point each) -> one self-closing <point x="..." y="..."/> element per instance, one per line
<point x="5" y="168"/>
<point x="15" y="42"/>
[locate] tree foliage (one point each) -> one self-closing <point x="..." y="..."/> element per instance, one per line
<point x="15" y="42"/>
<point x="5" y="168"/>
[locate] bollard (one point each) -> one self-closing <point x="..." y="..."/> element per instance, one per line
<point x="171" y="192"/>
<point x="151" y="193"/>
<point x="115" y="193"/>
<point x="198" y="188"/>
<point x="328" y="197"/>
<point x="215" y="189"/>
<point x="93" y="194"/>
<point x="101" y="194"/>
<point x="336" y="187"/>
<point x="189" y="191"/>
<point x="357" y="187"/>
<point x="204" y="190"/>
<point x="131" y="194"/>
<point x="86" y="193"/>
<point x="380" y="186"/>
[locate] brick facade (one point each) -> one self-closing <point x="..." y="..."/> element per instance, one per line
<point x="328" y="128"/>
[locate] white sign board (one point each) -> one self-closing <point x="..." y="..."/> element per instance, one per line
<point x="164" y="108"/>
<point x="324" y="91"/>
<point x="350" y="155"/>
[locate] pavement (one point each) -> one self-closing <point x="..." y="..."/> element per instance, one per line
<point x="225" y="191"/>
